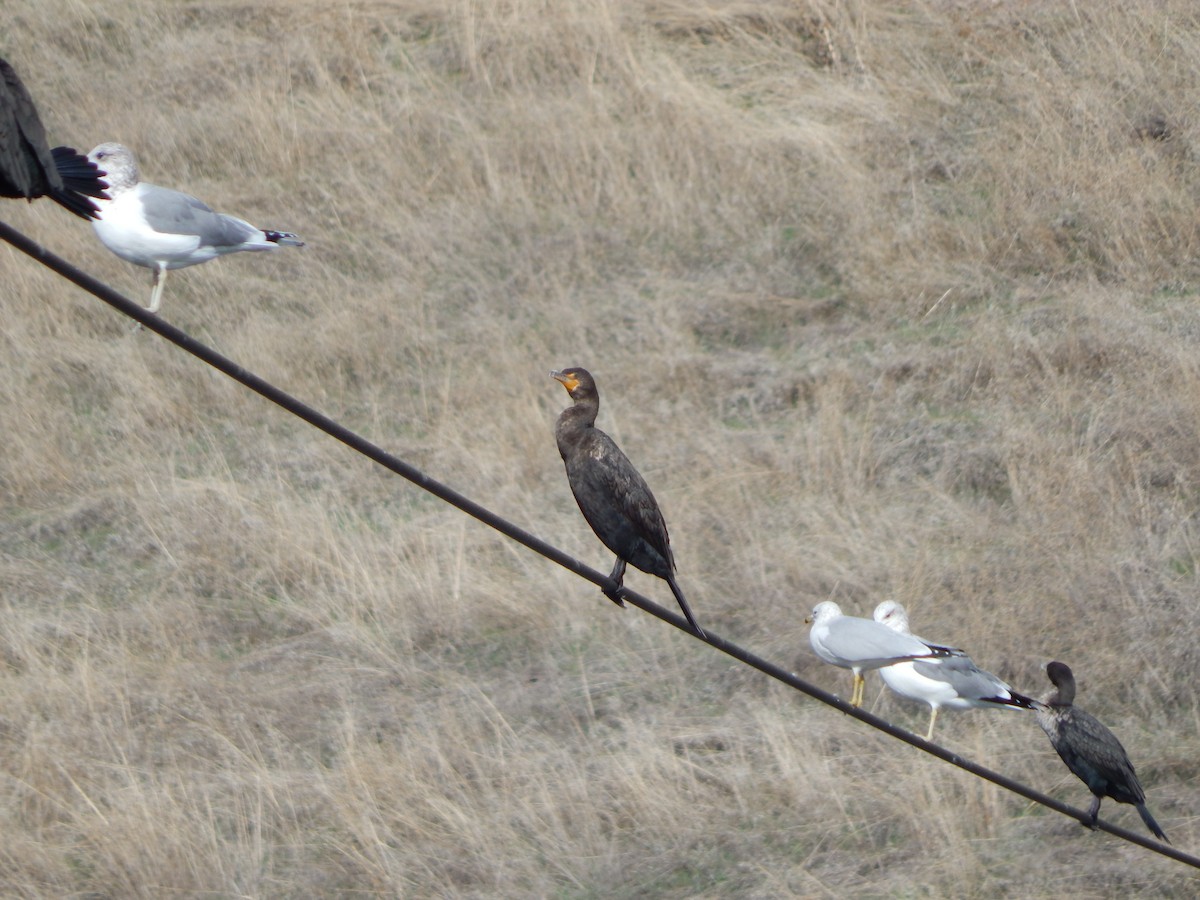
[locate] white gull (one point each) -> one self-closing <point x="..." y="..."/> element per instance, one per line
<point x="162" y="229"/>
<point x="952" y="681"/>
<point x="858" y="644"/>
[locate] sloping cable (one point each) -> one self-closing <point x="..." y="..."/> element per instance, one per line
<point x="470" y="507"/>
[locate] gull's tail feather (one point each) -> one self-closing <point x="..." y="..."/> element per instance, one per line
<point x="940" y="651"/>
<point x="283" y="238"/>
<point x="1018" y="700"/>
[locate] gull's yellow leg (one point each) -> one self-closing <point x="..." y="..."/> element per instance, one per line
<point x="932" y="719"/>
<point x="157" y="284"/>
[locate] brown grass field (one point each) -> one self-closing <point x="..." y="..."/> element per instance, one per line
<point x="884" y="299"/>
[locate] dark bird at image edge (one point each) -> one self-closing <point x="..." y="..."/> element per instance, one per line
<point x="28" y="167"/>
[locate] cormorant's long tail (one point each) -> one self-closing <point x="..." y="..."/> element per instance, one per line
<point x="1151" y="824"/>
<point x="683" y="604"/>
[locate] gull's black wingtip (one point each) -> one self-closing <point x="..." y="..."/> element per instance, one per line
<point x="81" y="179"/>
<point x="79" y="173"/>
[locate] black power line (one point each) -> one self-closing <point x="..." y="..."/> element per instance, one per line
<point x="470" y="507"/>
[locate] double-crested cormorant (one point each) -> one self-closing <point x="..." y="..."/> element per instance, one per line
<point x="1090" y="750"/>
<point x="858" y="644"/>
<point x="613" y="497"/>
<point x="162" y="229"/>
<point x="28" y="167"/>
<point x="952" y="681"/>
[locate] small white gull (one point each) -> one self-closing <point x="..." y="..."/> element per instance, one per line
<point x="858" y="644"/>
<point x="161" y="229"/>
<point x="953" y="681"/>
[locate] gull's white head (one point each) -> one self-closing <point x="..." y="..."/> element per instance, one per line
<point x="892" y="614"/>
<point x="824" y="611"/>
<point x="119" y="165"/>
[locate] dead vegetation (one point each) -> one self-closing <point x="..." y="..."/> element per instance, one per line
<point x="884" y="300"/>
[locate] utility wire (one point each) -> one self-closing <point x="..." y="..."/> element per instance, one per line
<point x="454" y="498"/>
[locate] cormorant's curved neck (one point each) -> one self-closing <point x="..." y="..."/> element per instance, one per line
<point x="583" y="413"/>
<point x="1063" y="696"/>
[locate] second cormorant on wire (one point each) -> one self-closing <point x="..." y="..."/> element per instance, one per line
<point x="1090" y="750"/>
<point x="613" y="497"/>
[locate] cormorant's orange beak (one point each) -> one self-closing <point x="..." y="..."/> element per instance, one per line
<point x="567" y="381"/>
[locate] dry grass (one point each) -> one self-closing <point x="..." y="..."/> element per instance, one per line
<point x="885" y="300"/>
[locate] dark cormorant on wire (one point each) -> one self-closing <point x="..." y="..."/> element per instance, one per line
<point x="1090" y="750"/>
<point x="613" y="497"/>
<point x="28" y="167"/>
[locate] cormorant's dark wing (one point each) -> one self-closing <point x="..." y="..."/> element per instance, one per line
<point x="26" y="167"/>
<point x="1095" y="755"/>
<point x="618" y="504"/>
<point x="643" y="511"/>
